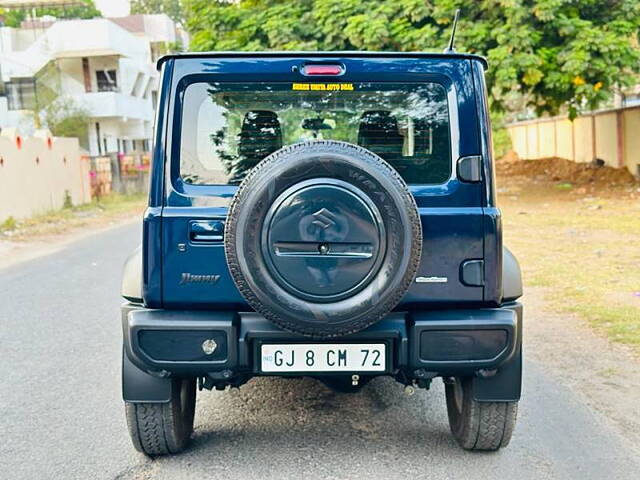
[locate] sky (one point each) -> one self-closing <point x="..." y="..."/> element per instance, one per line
<point x="113" y="8"/>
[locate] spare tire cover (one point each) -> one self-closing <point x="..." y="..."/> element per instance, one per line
<point x="323" y="238"/>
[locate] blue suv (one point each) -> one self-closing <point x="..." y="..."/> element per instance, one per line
<point x="321" y="214"/>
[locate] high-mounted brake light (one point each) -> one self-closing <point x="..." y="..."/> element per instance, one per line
<point x="322" y="70"/>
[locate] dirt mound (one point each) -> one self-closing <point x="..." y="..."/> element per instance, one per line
<point x="510" y="156"/>
<point x="565" y="171"/>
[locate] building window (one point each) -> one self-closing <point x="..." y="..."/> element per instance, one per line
<point x="107" y="80"/>
<point x="21" y="94"/>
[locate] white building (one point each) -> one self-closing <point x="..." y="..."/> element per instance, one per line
<point x="106" y="66"/>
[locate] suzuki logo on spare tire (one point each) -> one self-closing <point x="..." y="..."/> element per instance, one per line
<point x="323" y="225"/>
<point x="329" y="255"/>
<point x="323" y="218"/>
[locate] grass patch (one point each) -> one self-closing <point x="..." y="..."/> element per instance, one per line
<point x="8" y="225"/>
<point x="585" y="253"/>
<point x="59" y="221"/>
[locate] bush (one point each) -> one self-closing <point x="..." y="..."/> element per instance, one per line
<point x="501" y="142"/>
<point x="68" y="203"/>
<point x="9" y="224"/>
<point x="501" y="139"/>
<point x="65" y="118"/>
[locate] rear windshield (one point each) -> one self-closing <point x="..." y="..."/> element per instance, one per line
<point x="228" y="128"/>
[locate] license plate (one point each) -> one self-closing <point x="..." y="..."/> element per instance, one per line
<point x="309" y="357"/>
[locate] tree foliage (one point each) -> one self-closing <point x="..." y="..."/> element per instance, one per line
<point x="66" y="118"/>
<point x="15" y="16"/>
<point x="552" y="53"/>
<point x="172" y="8"/>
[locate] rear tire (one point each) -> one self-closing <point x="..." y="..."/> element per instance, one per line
<point x="163" y="428"/>
<point x="483" y="426"/>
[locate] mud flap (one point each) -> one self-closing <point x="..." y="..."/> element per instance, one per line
<point x="506" y="384"/>
<point x="140" y="387"/>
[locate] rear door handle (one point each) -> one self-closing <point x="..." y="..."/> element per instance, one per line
<point x="207" y="231"/>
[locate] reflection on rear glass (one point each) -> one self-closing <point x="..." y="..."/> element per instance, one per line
<point x="227" y="129"/>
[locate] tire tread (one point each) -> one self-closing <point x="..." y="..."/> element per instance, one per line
<point x="147" y="425"/>
<point x="160" y="428"/>
<point x="480" y="426"/>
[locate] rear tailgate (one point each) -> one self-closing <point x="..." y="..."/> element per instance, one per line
<point x="453" y="213"/>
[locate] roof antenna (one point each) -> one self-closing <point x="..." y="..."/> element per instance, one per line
<point x="450" y="48"/>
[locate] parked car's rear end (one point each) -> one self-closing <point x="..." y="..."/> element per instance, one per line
<point x="330" y="215"/>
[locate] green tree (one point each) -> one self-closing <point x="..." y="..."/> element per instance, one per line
<point x="13" y="17"/>
<point x="172" y="8"/>
<point x="551" y="53"/>
<point x="66" y="118"/>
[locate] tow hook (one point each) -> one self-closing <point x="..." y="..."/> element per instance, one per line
<point x="423" y="378"/>
<point x="217" y="380"/>
<point x="354" y="380"/>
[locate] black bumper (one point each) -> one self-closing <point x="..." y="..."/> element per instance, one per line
<point x="481" y="342"/>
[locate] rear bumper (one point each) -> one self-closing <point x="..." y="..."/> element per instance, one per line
<point x="423" y="344"/>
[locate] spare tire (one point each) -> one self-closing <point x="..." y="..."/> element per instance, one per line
<point x="323" y="238"/>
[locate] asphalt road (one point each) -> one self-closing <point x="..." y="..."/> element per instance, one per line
<point x="61" y="415"/>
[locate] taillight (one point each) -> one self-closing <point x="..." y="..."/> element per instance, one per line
<point x="322" y="70"/>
